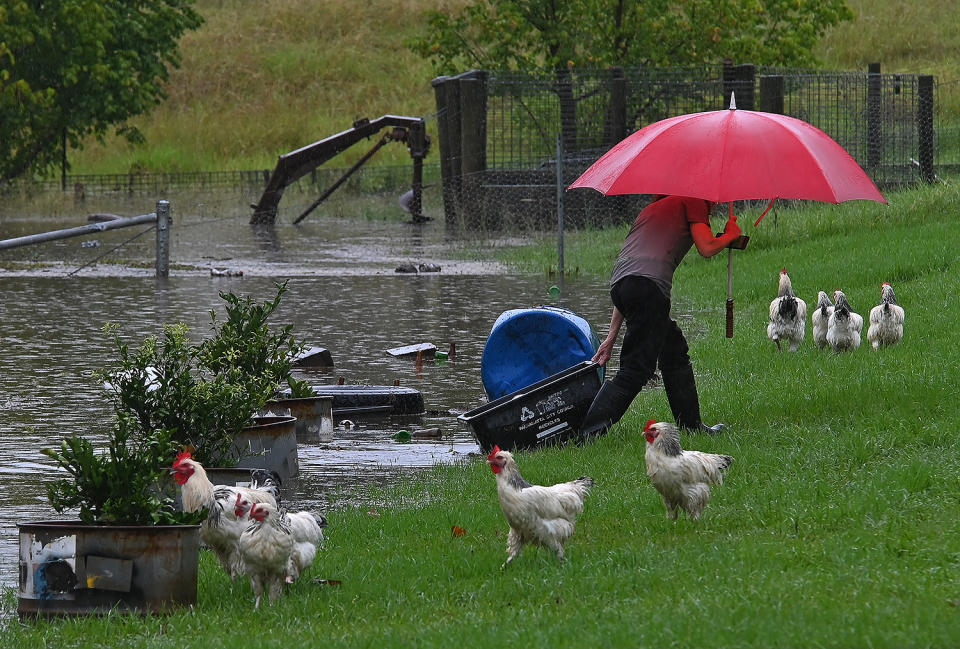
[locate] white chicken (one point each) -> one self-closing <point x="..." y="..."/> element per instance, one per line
<point x="222" y="528"/>
<point x="538" y="515"/>
<point x="682" y="477"/>
<point x="196" y="490"/>
<point x="266" y="547"/>
<point x="886" y="320"/>
<point x="821" y="319"/>
<point x="307" y="531"/>
<point x="844" y="326"/>
<point x="788" y="315"/>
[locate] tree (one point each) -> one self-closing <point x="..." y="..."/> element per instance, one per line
<point x="555" y="34"/>
<point x="71" y="69"/>
<point x="560" y="35"/>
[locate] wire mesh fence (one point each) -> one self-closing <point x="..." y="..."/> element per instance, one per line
<point x="892" y="124"/>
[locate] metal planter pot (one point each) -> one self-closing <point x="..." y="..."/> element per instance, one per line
<point x="270" y="443"/>
<point x="314" y="416"/>
<point x="70" y="568"/>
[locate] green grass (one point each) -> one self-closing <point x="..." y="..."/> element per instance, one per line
<point x="836" y="526"/>
<point x="259" y="79"/>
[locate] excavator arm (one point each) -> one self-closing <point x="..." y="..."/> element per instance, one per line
<point x="296" y="164"/>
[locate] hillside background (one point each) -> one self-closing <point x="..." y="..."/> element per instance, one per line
<point x="263" y="78"/>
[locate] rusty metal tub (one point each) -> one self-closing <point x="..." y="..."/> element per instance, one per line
<point x="69" y="568"/>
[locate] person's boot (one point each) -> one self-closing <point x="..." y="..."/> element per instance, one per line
<point x="607" y="408"/>
<point x="681" y="387"/>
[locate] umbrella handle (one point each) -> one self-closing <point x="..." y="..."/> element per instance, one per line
<point x="729" y="317"/>
<point x="730" y="293"/>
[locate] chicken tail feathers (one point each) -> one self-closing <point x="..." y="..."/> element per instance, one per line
<point x="268" y="481"/>
<point x="788" y="308"/>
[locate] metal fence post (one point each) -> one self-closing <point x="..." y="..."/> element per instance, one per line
<point x="163" y="238"/>
<point x="560" y="205"/>
<point x="925" y="138"/>
<point x="874" y="117"/>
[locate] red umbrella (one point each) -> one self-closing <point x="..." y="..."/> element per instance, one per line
<point x="731" y="155"/>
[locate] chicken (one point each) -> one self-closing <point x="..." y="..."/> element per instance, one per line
<point x="788" y="315"/>
<point x="821" y="318"/>
<point x="539" y="515"/>
<point x="307" y="531"/>
<point x="886" y="320"/>
<point x="196" y="490"/>
<point x="266" y="547"/>
<point x="682" y="477"/>
<point x="222" y="528"/>
<point x="844" y="326"/>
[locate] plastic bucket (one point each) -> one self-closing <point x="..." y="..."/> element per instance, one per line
<point x="529" y="345"/>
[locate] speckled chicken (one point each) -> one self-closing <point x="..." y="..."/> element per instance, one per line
<point x="844" y="326"/>
<point x="821" y="319"/>
<point x="886" y="320"/>
<point x="307" y="531"/>
<point x="788" y="315"/>
<point x="683" y="478"/>
<point x="266" y="547"/>
<point x="537" y="515"/>
<point x="221" y="529"/>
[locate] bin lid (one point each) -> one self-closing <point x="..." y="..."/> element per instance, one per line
<point x="528" y="345"/>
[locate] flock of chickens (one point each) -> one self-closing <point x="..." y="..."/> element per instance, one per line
<point x="249" y="534"/>
<point x="247" y="531"/>
<point x="835" y="324"/>
<point x="546" y="516"/>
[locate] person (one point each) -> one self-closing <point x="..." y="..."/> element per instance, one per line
<point x="640" y="285"/>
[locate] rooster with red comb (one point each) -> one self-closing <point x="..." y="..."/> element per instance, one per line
<point x="537" y="515"/>
<point x="683" y="478"/>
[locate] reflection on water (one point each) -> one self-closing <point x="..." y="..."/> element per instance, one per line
<point x="343" y="295"/>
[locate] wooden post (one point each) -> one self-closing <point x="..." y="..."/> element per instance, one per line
<point x="163" y="238"/>
<point x="739" y="79"/>
<point x="925" y="127"/>
<point x="473" y="143"/>
<point x="874" y="117"/>
<point x="772" y="93"/>
<point x="447" y="93"/>
<point x="616" y="126"/>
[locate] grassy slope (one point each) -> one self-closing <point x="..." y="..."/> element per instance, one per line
<point x="836" y="527"/>
<point x="263" y="78"/>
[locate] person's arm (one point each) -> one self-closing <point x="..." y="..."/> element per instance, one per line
<point x="709" y="245"/>
<point x="605" y="350"/>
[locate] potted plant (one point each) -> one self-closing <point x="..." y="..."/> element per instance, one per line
<point x="244" y="344"/>
<point x="131" y="549"/>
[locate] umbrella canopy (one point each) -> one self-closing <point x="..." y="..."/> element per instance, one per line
<point x="731" y="155"/>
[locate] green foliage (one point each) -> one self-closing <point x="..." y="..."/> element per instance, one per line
<point x="74" y="69"/>
<point x="244" y="347"/>
<point x="543" y="34"/>
<point x="157" y="385"/>
<point x="300" y="388"/>
<point x="125" y="485"/>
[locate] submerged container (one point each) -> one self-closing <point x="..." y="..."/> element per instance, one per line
<point x="314" y="416"/>
<point x="528" y="345"/>
<point x="548" y="412"/>
<point x="355" y="401"/>
<point x="270" y="443"/>
<point x="71" y="568"/>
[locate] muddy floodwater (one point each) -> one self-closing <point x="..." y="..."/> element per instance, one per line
<point x="343" y="295"/>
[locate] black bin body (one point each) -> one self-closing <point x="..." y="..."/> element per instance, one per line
<point x="549" y="411"/>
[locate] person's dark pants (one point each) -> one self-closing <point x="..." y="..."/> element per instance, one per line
<point x="652" y="339"/>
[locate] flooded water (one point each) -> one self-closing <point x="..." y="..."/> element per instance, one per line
<point x="343" y="295"/>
